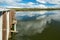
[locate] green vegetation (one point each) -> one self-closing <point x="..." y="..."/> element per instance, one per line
<point x="34" y="9"/>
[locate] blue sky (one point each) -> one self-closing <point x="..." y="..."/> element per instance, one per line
<point x="30" y="3"/>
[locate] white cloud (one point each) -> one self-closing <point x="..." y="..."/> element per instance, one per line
<point x="42" y="1"/>
<point x="49" y="1"/>
<point x="28" y="5"/>
<point x="18" y="0"/>
<point x="54" y="1"/>
<point x="57" y="2"/>
<point x="32" y="5"/>
<point x="10" y="2"/>
<point x="41" y="6"/>
<point x="12" y="7"/>
<point x="55" y="6"/>
<point x="15" y="3"/>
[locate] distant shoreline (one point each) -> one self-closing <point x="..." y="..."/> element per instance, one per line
<point x="34" y="9"/>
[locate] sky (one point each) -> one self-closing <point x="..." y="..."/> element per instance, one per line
<point x="30" y="3"/>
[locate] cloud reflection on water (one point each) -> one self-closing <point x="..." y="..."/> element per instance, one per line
<point x="38" y="25"/>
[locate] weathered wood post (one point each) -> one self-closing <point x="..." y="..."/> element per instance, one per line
<point x="7" y="17"/>
<point x="4" y="26"/>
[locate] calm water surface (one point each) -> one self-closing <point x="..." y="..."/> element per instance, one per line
<point x="38" y="25"/>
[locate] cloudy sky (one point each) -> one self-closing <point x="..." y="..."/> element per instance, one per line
<point x="30" y="3"/>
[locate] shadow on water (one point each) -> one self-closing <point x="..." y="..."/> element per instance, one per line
<point x="47" y="28"/>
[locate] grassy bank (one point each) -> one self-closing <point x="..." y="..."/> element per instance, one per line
<point x="34" y="9"/>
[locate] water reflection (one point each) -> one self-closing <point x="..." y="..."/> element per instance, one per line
<point x="38" y="25"/>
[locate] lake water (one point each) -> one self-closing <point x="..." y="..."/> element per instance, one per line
<point x="38" y="25"/>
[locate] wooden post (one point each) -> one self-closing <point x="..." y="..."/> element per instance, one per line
<point x="7" y="23"/>
<point x="4" y="27"/>
<point x="11" y="17"/>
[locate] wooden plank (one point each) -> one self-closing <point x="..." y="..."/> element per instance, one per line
<point x="11" y="16"/>
<point x="8" y="28"/>
<point x="4" y="27"/>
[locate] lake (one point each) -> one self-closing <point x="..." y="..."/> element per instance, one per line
<point x="38" y="25"/>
